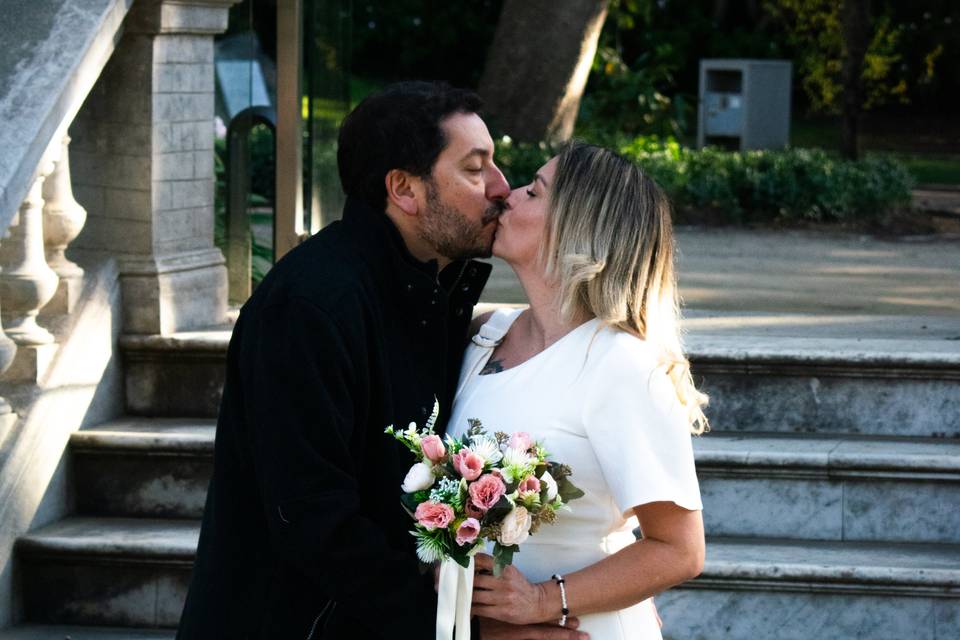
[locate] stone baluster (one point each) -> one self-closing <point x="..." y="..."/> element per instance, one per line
<point x="8" y="349"/>
<point x="26" y="281"/>
<point x="63" y="220"/>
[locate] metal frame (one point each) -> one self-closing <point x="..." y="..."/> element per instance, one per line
<point x="289" y="229"/>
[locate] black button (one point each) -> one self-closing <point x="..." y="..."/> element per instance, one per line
<point x="423" y="323"/>
<point x="433" y="301"/>
<point x="459" y="311"/>
<point x="424" y="411"/>
<point x="409" y="287"/>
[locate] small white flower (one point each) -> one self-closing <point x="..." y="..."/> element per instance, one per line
<point x="487" y="448"/>
<point x="419" y="477"/>
<point x="429" y="550"/>
<point x="517" y="458"/>
<point x="552" y="488"/>
<point x="515" y="527"/>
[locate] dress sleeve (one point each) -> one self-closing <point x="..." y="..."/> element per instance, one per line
<point x="638" y="430"/>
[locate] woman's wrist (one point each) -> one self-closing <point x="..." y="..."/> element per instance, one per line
<point x="550" y="602"/>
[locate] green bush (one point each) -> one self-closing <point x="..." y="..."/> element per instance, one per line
<point x="792" y="184"/>
<point x="755" y="186"/>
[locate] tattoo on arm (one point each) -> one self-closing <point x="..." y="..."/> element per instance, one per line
<point x="492" y="366"/>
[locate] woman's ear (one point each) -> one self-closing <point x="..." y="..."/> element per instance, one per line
<point x="403" y="190"/>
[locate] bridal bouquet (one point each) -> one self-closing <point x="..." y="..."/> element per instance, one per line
<point x="480" y="488"/>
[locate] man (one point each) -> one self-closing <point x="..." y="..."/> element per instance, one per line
<point x="360" y="327"/>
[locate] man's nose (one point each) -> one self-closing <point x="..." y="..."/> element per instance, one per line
<point x="497" y="187"/>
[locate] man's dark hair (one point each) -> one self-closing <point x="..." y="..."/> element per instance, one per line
<point x="397" y="128"/>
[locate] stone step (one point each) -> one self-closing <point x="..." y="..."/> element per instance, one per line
<point x="177" y="375"/>
<point x="143" y="467"/>
<point x="889" y="387"/>
<point x="107" y="572"/>
<point x="128" y="572"/>
<point x="807" y="486"/>
<point x="72" y="632"/>
<point x="800" y="590"/>
<point x="830" y="488"/>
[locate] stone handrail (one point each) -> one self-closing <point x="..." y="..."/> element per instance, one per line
<point x="51" y="54"/>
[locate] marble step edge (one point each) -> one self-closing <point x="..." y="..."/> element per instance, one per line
<point x="129" y="541"/>
<point x="716" y="454"/>
<point x="153" y="436"/>
<point x="731" y="562"/>
<point x="870" y="568"/>
<point x="79" y="632"/>
<point x="831" y="456"/>
<point x="784" y="356"/>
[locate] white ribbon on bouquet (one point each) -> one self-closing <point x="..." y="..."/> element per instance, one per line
<point x="454" y="598"/>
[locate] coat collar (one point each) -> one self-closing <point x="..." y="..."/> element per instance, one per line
<point x="380" y="244"/>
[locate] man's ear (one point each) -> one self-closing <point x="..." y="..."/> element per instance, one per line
<point x="403" y="190"/>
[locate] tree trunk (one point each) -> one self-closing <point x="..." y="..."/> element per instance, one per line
<point x="855" y="23"/>
<point x="538" y="64"/>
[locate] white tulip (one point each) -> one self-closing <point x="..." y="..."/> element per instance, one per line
<point x="552" y="488"/>
<point x="515" y="527"/>
<point x="419" y="477"/>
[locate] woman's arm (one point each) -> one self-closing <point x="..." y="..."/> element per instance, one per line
<point x="671" y="551"/>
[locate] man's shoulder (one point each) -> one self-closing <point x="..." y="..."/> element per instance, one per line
<point x="321" y="272"/>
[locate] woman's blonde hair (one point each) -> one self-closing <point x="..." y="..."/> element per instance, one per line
<point x="610" y="247"/>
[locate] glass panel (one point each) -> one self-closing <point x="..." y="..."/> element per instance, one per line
<point x="326" y="52"/>
<point x="246" y="80"/>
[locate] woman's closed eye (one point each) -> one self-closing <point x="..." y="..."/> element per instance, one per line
<point x="531" y="193"/>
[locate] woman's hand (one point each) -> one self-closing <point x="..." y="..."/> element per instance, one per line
<point x="508" y="598"/>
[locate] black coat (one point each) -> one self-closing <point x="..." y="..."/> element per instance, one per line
<point x="346" y="335"/>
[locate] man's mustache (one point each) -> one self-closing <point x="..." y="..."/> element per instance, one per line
<point x="494" y="211"/>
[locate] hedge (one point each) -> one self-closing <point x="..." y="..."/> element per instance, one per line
<point x="752" y="186"/>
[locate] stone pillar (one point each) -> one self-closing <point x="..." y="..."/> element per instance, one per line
<point x="63" y="219"/>
<point x="143" y="166"/>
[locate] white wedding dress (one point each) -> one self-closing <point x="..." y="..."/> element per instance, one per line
<point x="597" y="402"/>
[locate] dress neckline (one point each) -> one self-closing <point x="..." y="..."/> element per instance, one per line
<point x="493" y="331"/>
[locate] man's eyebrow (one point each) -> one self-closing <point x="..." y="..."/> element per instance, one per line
<point x="477" y="151"/>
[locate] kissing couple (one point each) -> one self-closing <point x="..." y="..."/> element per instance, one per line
<point x="369" y="321"/>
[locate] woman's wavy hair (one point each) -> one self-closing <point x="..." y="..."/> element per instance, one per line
<point x="610" y="246"/>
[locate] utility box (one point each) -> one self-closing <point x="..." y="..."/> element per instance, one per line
<point x="744" y="104"/>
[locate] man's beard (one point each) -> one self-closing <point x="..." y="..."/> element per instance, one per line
<point x="450" y="233"/>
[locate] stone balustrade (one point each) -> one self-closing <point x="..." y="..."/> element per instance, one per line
<point x="34" y="269"/>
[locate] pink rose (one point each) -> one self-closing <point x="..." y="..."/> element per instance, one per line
<point x="521" y="441"/>
<point x="433" y="449"/>
<point x="434" y="515"/>
<point x="472" y="510"/>
<point x="468" y="464"/>
<point x="530" y="484"/>
<point x="468" y="531"/>
<point x="487" y="491"/>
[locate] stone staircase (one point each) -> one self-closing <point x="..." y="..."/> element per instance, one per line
<point x="831" y="487"/>
<point x="120" y="567"/>
<point x="831" y="484"/>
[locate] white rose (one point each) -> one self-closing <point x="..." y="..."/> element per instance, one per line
<point x="419" y="477"/>
<point x="552" y="488"/>
<point x="515" y="527"/>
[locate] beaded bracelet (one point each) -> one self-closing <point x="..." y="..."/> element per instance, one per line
<point x="563" y="598"/>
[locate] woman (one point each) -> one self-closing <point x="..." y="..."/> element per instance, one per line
<point x="594" y="370"/>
